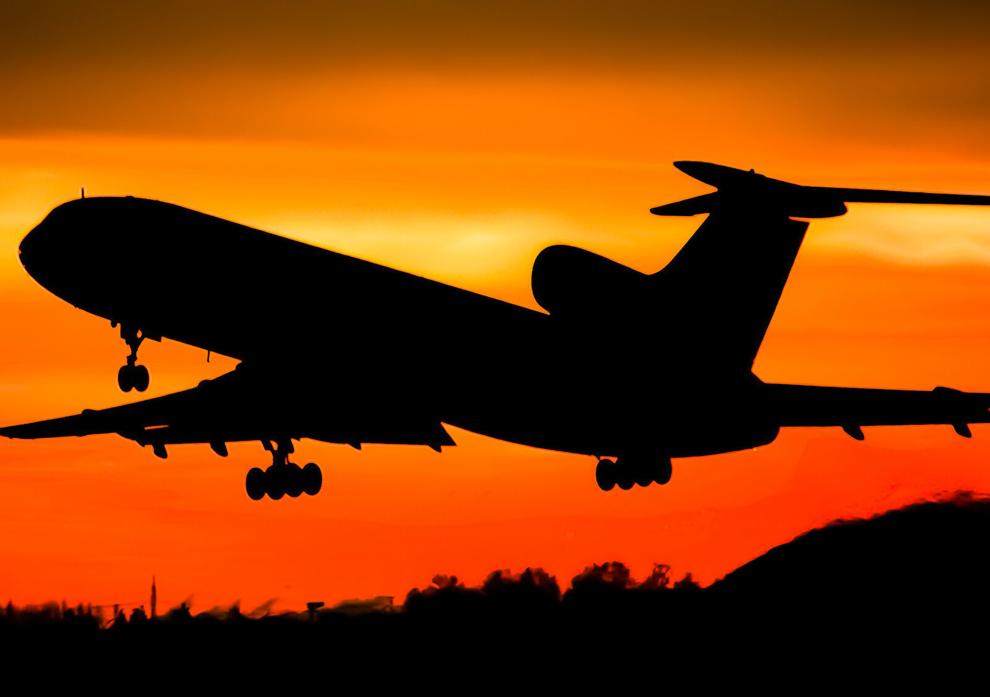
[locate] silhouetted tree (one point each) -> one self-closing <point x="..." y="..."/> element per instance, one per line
<point x="659" y="578"/>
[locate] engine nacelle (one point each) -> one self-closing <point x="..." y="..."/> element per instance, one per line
<point x="571" y="282"/>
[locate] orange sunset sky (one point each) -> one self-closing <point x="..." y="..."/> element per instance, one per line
<point x="456" y="143"/>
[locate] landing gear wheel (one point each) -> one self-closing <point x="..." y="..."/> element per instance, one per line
<point x="140" y="377"/>
<point x="605" y="474"/>
<point x="275" y="482"/>
<point x="125" y="378"/>
<point x="293" y="479"/>
<point x="312" y="478"/>
<point x="642" y="472"/>
<point x="255" y="483"/>
<point x="283" y="477"/>
<point x="639" y="468"/>
<point x="132" y="376"/>
<point x="664" y="471"/>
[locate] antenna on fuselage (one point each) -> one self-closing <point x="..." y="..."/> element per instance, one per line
<point x="82" y="192"/>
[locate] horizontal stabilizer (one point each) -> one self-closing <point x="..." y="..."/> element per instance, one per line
<point x="691" y="206"/>
<point x="746" y="192"/>
<point x="881" y="196"/>
<point x="712" y="174"/>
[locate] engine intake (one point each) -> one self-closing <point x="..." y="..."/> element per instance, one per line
<point x="574" y="283"/>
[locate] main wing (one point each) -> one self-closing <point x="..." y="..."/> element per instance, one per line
<point x="852" y="408"/>
<point x="246" y="405"/>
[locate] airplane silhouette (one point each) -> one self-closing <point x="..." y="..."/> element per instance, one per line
<point x="632" y="368"/>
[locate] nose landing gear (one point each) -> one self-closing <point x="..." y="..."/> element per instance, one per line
<point x="132" y="376"/>
<point x="283" y="477"/>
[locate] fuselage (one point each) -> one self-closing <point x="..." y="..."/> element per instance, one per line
<point x="348" y="329"/>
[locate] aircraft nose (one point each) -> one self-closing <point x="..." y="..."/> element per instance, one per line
<point x="44" y="255"/>
<point x="31" y="246"/>
<point x="66" y="253"/>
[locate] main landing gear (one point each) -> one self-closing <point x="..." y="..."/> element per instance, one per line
<point x="132" y="376"/>
<point x="283" y="477"/>
<point x="630" y="470"/>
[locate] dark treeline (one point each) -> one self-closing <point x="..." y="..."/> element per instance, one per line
<point x="911" y="580"/>
<point x="532" y="594"/>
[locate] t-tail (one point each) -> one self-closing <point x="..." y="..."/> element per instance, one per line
<point x="739" y="189"/>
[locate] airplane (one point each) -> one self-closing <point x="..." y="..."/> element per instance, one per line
<point x="631" y="368"/>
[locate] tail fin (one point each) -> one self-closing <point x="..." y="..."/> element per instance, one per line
<point x="722" y="288"/>
<point x="725" y="283"/>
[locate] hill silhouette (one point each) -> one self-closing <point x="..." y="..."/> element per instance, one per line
<point x="932" y="554"/>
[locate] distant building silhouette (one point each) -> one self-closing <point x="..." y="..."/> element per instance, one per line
<point x="312" y="608"/>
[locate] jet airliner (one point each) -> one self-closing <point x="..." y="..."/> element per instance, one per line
<point x="631" y="368"/>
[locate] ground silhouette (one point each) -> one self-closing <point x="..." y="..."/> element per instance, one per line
<point x="908" y="582"/>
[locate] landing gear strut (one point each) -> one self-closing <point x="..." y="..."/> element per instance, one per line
<point x="132" y="376"/>
<point x="630" y="470"/>
<point x="283" y="477"/>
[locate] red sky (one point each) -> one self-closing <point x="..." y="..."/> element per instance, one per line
<point x="457" y="145"/>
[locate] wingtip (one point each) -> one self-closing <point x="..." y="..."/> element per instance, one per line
<point x="690" y="166"/>
<point x="688" y="207"/>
